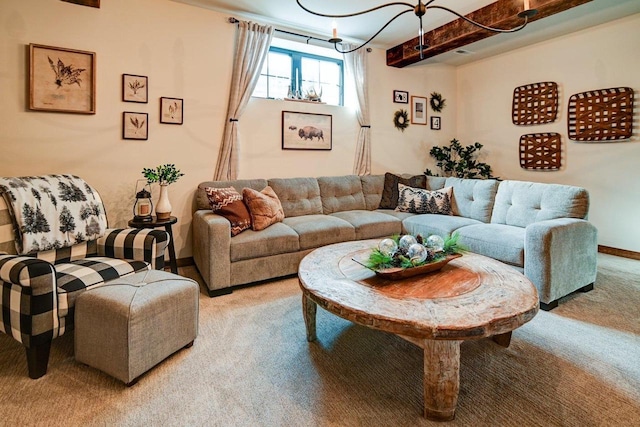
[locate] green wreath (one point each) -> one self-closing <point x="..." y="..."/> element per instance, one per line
<point x="401" y="119"/>
<point x="436" y="101"/>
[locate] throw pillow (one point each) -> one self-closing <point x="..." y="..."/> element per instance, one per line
<point x="390" y="191"/>
<point x="418" y="200"/>
<point x="264" y="207"/>
<point x="227" y="202"/>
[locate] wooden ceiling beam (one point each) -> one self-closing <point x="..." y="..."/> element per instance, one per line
<point x="458" y="33"/>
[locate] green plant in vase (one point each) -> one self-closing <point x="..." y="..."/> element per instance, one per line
<point x="164" y="175"/>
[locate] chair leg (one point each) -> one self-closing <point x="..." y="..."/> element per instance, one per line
<point x="587" y="288"/>
<point x="549" y="306"/>
<point x="38" y="359"/>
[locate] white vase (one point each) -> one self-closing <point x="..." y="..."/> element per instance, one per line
<point x="163" y="208"/>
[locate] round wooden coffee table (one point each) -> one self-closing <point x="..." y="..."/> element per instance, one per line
<point x="471" y="297"/>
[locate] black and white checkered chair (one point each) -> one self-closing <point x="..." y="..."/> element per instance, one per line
<point x="40" y="286"/>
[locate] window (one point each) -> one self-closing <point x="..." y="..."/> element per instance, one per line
<point x="286" y="68"/>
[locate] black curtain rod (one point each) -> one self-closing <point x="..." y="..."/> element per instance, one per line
<point x="233" y="20"/>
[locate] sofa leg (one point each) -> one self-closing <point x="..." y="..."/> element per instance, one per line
<point x="549" y="306"/>
<point x="38" y="359"/>
<point x="217" y="292"/>
<point x="587" y="288"/>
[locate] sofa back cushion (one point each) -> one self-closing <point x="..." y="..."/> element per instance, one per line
<point x="372" y="186"/>
<point x="522" y="203"/>
<point x="202" y="200"/>
<point x="472" y="198"/>
<point x="341" y="193"/>
<point x="299" y="196"/>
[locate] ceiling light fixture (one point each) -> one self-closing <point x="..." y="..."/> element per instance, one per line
<point x="419" y="10"/>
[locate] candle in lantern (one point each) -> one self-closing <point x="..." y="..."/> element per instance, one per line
<point x="334" y="26"/>
<point x="527" y="6"/>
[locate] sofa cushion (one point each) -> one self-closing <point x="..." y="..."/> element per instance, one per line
<point x="473" y="198"/>
<point x="299" y="196"/>
<point x="397" y="214"/>
<point x="264" y="207"/>
<point x="202" y="201"/>
<point x="320" y="230"/>
<point x="421" y="201"/>
<point x="371" y="224"/>
<point x="502" y="242"/>
<point x="228" y="203"/>
<point x="390" y="191"/>
<point x="442" y="225"/>
<point x="273" y="240"/>
<point x="341" y="193"/>
<point x="521" y="203"/>
<point x="372" y="186"/>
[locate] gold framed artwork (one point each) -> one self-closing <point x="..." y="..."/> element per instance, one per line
<point x="62" y="80"/>
<point x="418" y="110"/>
<point x="135" y="88"/>
<point x="171" y="110"/>
<point x="135" y="125"/>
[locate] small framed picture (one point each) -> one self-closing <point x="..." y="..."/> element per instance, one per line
<point x="435" y="122"/>
<point x="135" y="88"/>
<point x="62" y="80"/>
<point x="418" y="110"/>
<point x="400" y="97"/>
<point x="135" y="125"/>
<point x="171" y="110"/>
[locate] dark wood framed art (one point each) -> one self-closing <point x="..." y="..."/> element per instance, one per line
<point x="135" y="88"/>
<point x="91" y="3"/>
<point x="62" y="80"/>
<point x="135" y="125"/>
<point x="171" y="110"/>
<point x="400" y="97"/>
<point x="435" y="122"/>
<point x="306" y="131"/>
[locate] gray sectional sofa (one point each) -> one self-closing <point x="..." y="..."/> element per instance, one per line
<point x="539" y="229"/>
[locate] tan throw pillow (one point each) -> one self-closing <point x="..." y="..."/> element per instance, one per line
<point x="418" y="200"/>
<point x="390" y="191"/>
<point x="227" y="202"/>
<point x="264" y="207"/>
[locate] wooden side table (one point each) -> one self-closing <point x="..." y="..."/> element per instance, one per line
<point x="166" y="223"/>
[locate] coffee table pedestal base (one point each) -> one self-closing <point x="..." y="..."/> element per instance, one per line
<point x="441" y="378"/>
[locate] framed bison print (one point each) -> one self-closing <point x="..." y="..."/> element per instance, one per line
<point x="306" y="131"/>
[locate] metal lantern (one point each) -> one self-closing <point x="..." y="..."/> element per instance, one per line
<point x="143" y="206"/>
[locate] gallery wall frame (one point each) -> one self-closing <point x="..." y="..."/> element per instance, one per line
<point x="418" y="110"/>
<point x="171" y="110"/>
<point x="135" y="125"/>
<point x="135" y="88"/>
<point x="400" y="97"/>
<point x="435" y="122"/>
<point x="62" y="80"/>
<point x="306" y="131"/>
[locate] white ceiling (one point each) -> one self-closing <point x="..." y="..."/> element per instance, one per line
<point x="287" y="15"/>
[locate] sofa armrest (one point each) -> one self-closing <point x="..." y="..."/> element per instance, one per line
<point x="144" y="244"/>
<point x="31" y="316"/>
<point x="560" y="256"/>
<point x="212" y="248"/>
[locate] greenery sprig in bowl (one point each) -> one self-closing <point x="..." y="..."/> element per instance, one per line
<point x="164" y="174"/>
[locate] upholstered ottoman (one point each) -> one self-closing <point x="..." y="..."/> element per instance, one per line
<point x="131" y="324"/>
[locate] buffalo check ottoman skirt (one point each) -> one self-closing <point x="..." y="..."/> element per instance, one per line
<point x="129" y="325"/>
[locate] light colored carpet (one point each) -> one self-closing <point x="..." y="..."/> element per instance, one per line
<point x="578" y="365"/>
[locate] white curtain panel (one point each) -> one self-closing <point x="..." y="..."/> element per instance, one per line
<point x="356" y="66"/>
<point x="252" y="48"/>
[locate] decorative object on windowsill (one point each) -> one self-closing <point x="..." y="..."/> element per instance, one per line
<point x="401" y="119"/>
<point x="399" y="257"/>
<point x="419" y="10"/>
<point x="314" y="96"/>
<point x="601" y="115"/>
<point x="164" y="175"/>
<point x="535" y="104"/>
<point x="436" y="102"/>
<point x="458" y="161"/>
<point x="541" y="151"/>
<point x="143" y="207"/>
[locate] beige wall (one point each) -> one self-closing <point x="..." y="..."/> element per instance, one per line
<point x="602" y="57"/>
<point x="187" y="53"/>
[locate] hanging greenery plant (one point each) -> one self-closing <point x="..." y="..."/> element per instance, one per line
<point x="436" y="101"/>
<point x="401" y="119"/>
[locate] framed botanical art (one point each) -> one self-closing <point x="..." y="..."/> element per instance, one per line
<point x="62" y="80"/>
<point x="306" y="131"/>
<point x="135" y="88"/>
<point x="135" y="125"/>
<point x="418" y="110"/>
<point x="171" y="110"/>
<point x="92" y="3"/>
<point x="400" y="97"/>
<point x="435" y="122"/>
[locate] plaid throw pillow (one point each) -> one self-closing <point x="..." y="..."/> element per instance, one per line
<point x="228" y="203"/>
<point x="417" y="200"/>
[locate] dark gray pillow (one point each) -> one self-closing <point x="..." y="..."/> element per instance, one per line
<point x="390" y="191"/>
